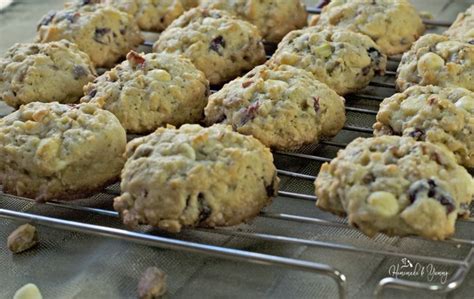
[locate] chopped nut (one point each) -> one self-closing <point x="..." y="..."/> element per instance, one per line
<point x="324" y="50"/>
<point x="28" y="291"/>
<point x="313" y="21"/>
<point x="22" y="238"/>
<point x="152" y="284"/>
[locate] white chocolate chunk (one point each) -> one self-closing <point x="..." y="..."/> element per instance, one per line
<point x="430" y="61"/>
<point x="28" y="291"/>
<point x="384" y="203"/>
<point x="466" y="103"/>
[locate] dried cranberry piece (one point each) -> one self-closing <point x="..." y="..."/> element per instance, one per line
<point x="417" y="134"/>
<point x="323" y="3"/>
<point x="432" y="190"/>
<point x="73" y="17"/>
<point x="271" y="191"/>
<point x="247" y="84"/>
<point x="204" y="209"/>
<point x="73" y="106"/>
<point x="78" y="71"/>
<point x="250" y="113"/>
<point x="375" y="56"/>
<point x="217" y="43"/>
<point x="221" y="118"/>
<point x="366" y="70"/>
<point x="432" y="100"/>
<point x="135" y="59"/>
<point x="368" y="178"/>
<point x="92" y="93"/>
<point x="100" y="33"/>
<point x="316" y="104"/>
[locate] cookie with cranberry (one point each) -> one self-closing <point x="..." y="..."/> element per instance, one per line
<point x="437" y="60"/>
<point x="396" y="185"/>
<point x="221" y="46"/>
<point x="430" y="113"/>
<point x="147" y="91"/>
<point x="57" y="151"/>
<point x="195" y="176"/>
<point x="284" y="107"/>
<point x="105" y="33"/>
<point x="50" y="72"/>
<point x="346" y="61"/>
<point x="274" y="18"/>
<point x="150" y="15"/>
<point x="393" y="24"/>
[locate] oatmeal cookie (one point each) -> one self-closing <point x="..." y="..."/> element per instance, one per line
<point x="103" y="32"/>
<point x="397" y="186"/>
<point x="437" y="60"/>
<point x="393" y="24"/>
<point x="188" y="4"/>
<point x="434" y="114"/>
<point x="218" y="44"/>
<point x="150" y="15"/>
<point x="463" y="27"/>
<point x="148" y="91"/>
<point x="194" y="176"/>
<point x="274" y="18"/>
<point x="346" y="61"/>
<point x="58" y="151"/>
<point x="51" y="72"/>
<point x="284" y="107"/>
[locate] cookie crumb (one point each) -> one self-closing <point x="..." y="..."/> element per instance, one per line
<point x="152" y="284"/>
<point x="22" y="238"/>
<point x="28" y="291"/>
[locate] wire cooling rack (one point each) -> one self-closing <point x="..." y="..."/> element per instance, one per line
<point x="297" y="171"/>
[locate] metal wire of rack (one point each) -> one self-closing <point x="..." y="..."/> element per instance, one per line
<point x="462" y="266"/>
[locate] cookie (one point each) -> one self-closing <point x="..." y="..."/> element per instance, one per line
<point x="396" y="185"/>
<point x="274" y="18"/>
<point x="284" y="107"/>
<point x="195" y="176"/>
<point x="429" y="113"/>
<point x="393" y="24"/>
<point x="150" y="15"/>
<point x="148" y="91"/>
<point x="49" y="72"/>
<point x="346" y="61"/>
<point x="188" y="4"/>
<point x="437" y="60"/>
<point x="57" y="151"/>
<point x="218" y="44"/>
<point x="103" y="32"/>
<point x="463" y="27"/>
